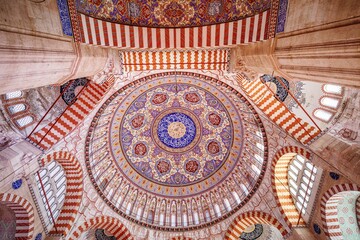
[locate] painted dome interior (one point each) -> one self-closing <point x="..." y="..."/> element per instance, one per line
<point x="176" y="143"/>
<point x="169" y="13"/>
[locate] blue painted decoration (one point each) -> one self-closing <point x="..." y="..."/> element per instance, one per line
<point x="17" y="184"/>
<point x="317" y="229"/>
<point x="38" y="237"/>
<point x="65" y="17"/>
<point x="334" y="176"/>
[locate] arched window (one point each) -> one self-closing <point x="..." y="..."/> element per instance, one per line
<point x="17" y="108"/>
<point x="24" y="121"/>
<point x="51" y="184"/>
<point x="333" y="89"/>
<point x="302" y="175"/>
<point x="323" y="115"/>
<point x="12" y="95"/>
<point x="330" y="102"/>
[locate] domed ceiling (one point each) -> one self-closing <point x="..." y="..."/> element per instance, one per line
<point x="173" y="144"/>
<point x="170" y="13"/>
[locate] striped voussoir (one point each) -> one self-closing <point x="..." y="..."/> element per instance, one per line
<point x="279" y="182"/>
<point x="247" y="219"/>
<point x="72" y="116"/>
<point x="167" y="60"/>
<point x="74" y="190"/>
<point x="277" y="111"/>
<point x="98" y="32"/>
<point x="328" y="208"/>
<point x="110" y="224"/>
<point x="24" y="214"/>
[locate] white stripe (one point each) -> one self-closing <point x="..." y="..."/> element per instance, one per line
<point x="256" y="22"/>
<point x="187" y="35"/>
<point x="162" y="37"/>
<point x="118" y="35"/>
<point x="127" y="36"/>
<point x="204" y="36"/>
<point x="195" y="38"/>
<point x="110" y="36"/>
<point x="221" y="35"/>
<point x="145" y="38"/>
<point x="153" y="37"/>
<point x="239" y="32"/>
<point x="86" y="33"/>
<point x="101" y="32"/>
<point x="213" y="35"/>
<point x="171" y="38"/>
<point x="178" y="38"/>
<point x="136" y="37"/>
<point x="93" y="33"/>
<point x="247" y="31"/>
<point x="263" y="24"/>
<point x="230" y="34"/>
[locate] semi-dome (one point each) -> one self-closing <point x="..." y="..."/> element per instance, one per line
<point x="169" y="13"/>
<point x="176" y="150"/>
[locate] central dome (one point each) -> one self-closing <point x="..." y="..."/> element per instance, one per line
<point x="172" y="140"/>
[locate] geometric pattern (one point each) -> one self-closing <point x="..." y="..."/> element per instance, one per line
<point x="74" y="190"/>
<point x="98" y="32"/>
<point x="72" y="116"/>
<point x="110" y="224"/>
<point x="217" y="59"/>
<point x="247" y="219"/>
<point x="328" y="208"/>
<point x="277" y="111"/>
<point x="24" y="214"/>
<point x="280" y="185"/>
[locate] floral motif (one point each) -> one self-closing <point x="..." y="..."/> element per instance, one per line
<point x="214" y="119"/>
<point x="171" y="13"/>
<point x="192" y="166"/>
<point x="140" y="149"/>
<point x="192" y="97"/>
<point x="159" y="98"/>
<point x="163" y="166"/>
<point x="213" y="147"/>
<point x="138" y="121"/>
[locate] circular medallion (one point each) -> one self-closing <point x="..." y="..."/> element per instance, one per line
<point x="171" y="138"/>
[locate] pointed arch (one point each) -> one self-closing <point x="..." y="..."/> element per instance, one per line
<point x="23" y="211"/>
<point x="110" y="224"/>
<point x="279" y="172"/>
<point x="74" y="189"/>
<point x="247" y="219"/>
<point x="326" y="207"/>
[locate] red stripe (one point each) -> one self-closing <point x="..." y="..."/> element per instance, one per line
<point x="235" y="28"/>
<point x="266" y="35"/>
<point x="113" y="29"/>
<point x="226" y="32"/>
<point x="89" y="29"/>
<point x="132" y="36"/>
<point x="123" y="40"/>
<point x="106" y="35"/>
<point x="217" y="35"/>
<point x="158" y="38"/>
<point x="199" y="37"/>
<point x="141" y="37"/>
<point x="259" y="27"/>
<point x="175" y="38"/>
<point x="149" y="37"/>
<point x="191" y="37"/>
<point x="81" y="29"/>
<point x="252" y="20"/>
<point x="97" y="31"/>
<point x="208" y="35"/>
<point x="243" y="31"/>
<point x="182" y="37"/>
<point x="167" y="38"/>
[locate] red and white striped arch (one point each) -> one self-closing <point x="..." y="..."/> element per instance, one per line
<point x="328" y="208"/>
<point x="24" y="214"/>
<point x="98" y="32"/>
<point x="74" y="190"/>
<point x="279" y="182"/>
<point x="277" y="111"/>
<point x="247" y="219"/>
<point x="110" y="224"/>
<point x="72" y="116"/>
